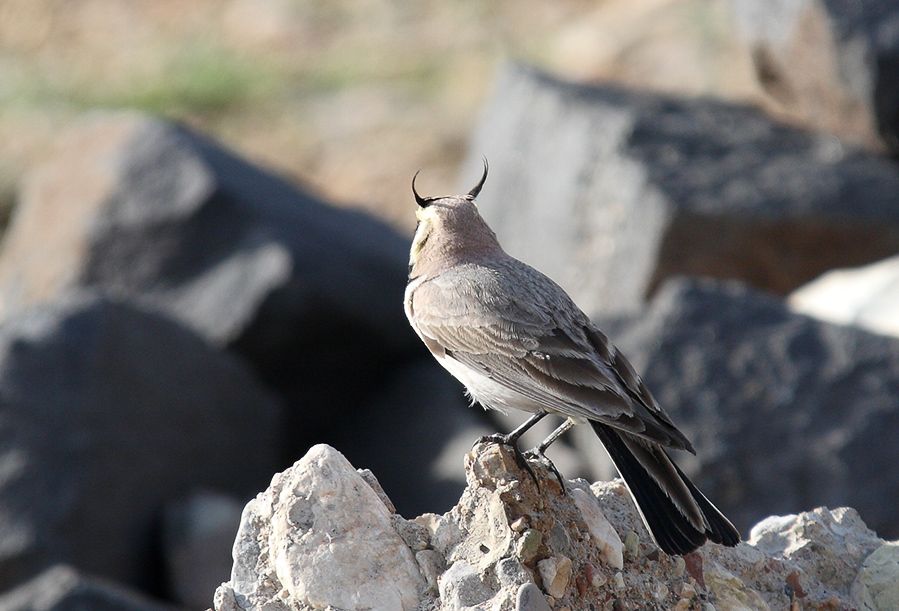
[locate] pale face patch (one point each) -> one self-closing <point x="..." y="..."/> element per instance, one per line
<point x="422" y="232"/>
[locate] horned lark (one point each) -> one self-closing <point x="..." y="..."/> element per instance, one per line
<point x="516" y="340"/>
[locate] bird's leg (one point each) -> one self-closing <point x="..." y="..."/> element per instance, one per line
<point x="511" y="440"/>
<point x="538" y="452"/>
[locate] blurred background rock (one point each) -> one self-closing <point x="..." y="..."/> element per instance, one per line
<point x="206" y="215"/>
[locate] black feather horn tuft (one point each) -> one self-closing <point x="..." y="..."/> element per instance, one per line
<point x="477" y="188"/>
<point x="421" y="201"/>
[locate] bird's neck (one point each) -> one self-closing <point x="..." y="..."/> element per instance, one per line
<point x="434" y="252"/>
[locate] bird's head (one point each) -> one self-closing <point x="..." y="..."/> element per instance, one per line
<point x="450" y="227"/>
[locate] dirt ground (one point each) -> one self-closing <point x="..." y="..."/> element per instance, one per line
<point x="349" y="98"/>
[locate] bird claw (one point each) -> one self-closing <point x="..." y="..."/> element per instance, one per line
<point x="502" y="440"/>
<point x="538" y="455"/>
<point x="520" y="460"/>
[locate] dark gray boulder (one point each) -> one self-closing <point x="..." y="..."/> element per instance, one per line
<point x="609" y="191"/>
<point x="834" y="63"/>
<point x="157" y="214"/>
<point x="62" y="588"/>
<point x="785" y="411"/>
<point x="197" y="536"/>
<point x="106" y="413"/>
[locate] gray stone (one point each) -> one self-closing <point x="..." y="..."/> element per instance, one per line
<point x="198" y="533"/>
<point x="108" y="412"/>
<point x="609" y="192"/>
<point x="155" y="213"/>
<point x="832" y="63"/>
<point x="430" y="563"/>
<point x="785" y="411"/>
<point x="510" y="572"/>
<point x="62" y="588"/>
<point x="530" y="598"/>
<point x="461" y="586"/>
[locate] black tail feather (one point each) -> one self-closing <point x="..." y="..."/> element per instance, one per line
<point x="720" y="529"/>
<point x="672" y="530"/>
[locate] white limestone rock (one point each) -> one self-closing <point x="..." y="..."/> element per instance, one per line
<point x="603" y="534"/>
<point x="320" y="536"/>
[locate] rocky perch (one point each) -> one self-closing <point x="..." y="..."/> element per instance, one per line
<point x="325" y="536"/>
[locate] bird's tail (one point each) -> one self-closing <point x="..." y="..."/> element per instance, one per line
<point x="677" y="514"/>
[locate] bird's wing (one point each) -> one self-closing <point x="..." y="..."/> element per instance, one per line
<point x="539" y="344"/>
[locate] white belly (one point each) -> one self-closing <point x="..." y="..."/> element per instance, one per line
<point x="485" y="391"/>
<point x="482" y="389"/>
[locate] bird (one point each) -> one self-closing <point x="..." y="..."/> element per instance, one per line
<point x="516" y="340"/>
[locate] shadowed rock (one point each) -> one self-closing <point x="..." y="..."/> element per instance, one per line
<point x="785" y="411"/>
<point x="106" y="413"/>
<point x="155" y="213"/>
<point x="610" y="192"/>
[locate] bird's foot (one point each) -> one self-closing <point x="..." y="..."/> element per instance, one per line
<point x="509" y="442"/>
<point x="503" y="440"/>
<point x="537" y="454"/>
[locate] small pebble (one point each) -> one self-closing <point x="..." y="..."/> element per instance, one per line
<point x="528" y="545"/>
<point x="430" y="564"/>
<point x="660" y="591"/>
<point x="519" y="525"/>
<point x="530" y="598"/>
<point x="678" y="566"/>
<point x="708" y="607"/>
<point x="687" y="591"/>
<point x="618" y="581"/>
<point x="631" y="545"/>
<point x="555" y="573"/>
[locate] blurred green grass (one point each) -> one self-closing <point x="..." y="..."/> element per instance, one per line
<point x="200" y="78"/>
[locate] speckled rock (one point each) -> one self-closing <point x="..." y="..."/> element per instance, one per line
<point x="817" y="560"/>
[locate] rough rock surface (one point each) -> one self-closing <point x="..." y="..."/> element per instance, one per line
<point x="153" y="212"/>
<point x="320" y="536"/>
<point x="832" y="63"/>
<point x="636" y="187"/>
<point x="867" y="297"/>
<point x="786" y="412"/>
<point x="106" y="413"/>
<point x="523" y="544"/>
<point x="62" y="588"/>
